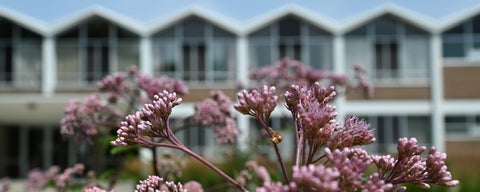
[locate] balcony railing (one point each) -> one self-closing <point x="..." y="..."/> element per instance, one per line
<point x="400" y="76"/>
<point x="83" y="65"/>
<point x="78" y="79"/>
<point x="22" y="80"/>
<point x="194" y="61"/>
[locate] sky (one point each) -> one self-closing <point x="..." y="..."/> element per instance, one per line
<point x="147" y="11"/>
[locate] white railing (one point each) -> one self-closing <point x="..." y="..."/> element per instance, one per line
<point x="27" y="79"/>
<point x="399" y="76"/>
<point x="217" y="67"/>
<point x="78" y="79"/>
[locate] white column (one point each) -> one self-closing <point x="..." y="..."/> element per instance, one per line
<point x="49" y="70"/>
<point x="339" y="68"/>
<point x="113" y="49"/>
<point x="146" y="65"/>
<point x="242" y="60"/>
<point x="436" y="88"/>
<point x="242" y="77"/>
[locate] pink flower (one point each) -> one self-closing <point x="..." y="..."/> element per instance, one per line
<point x="150" y="121"/>
<point x="116" y="85"/>
<point x="437" y="170"/>
<point x="352" y="164"/>
<point x="96" y="189"/>
<point x="354" y="132"/>
<point x="216" y="112"/>
<point x="5" y="184"/>
<point x="375" y="183"/>
<point x="193" y="186"/>
<point x="156" y="183"/>
<point x="257" y="103"/>
<point x="317" y="177"/>
<point x="154" y="86"/>
<point x="287" y="72"/>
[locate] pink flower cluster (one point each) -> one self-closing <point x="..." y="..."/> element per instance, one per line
<point x="84" y="121"/>
<point x="411" y="167"/>
<point x="96" y="116"/>
<point x="115" y="85"/>
<point x="96" y="189"/>
<point x="38" y="180"/>
<point x="156" y="183"/>
<point x="340" y="168"/>
<point x="347" y="170"/>
<point x="287" y="72"/>
<point x="153" y="86"/>
<point x="257" y="103"/>
<point x="317" y="177"/>
<point x="217" y="112"/>
<point x="150" y="121"/>
<point x="5" y="184"/>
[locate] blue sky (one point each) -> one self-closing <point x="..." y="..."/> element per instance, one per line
<point x="241" y="10"/>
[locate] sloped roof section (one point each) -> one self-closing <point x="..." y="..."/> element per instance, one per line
<point x="114" y="17"/>
<point x="214" y="18"/>
<point x="411" y="17"/>
<point x="24" y="21"/>
<point x="459" y="17"/>
<point x="291" y="9"/>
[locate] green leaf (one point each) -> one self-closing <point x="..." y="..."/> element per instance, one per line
<point x="106" y="140"/>
<point x="123" y="150"/>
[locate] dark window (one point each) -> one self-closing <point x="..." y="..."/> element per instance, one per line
<point x="97" y="62"/>
<point x="386" y="60"/>
<point x="459" y="29"/>
<point x="291" y="51"/>
<point x="194" y="62"/>
<point x="10" y="160"/>
<point x="194" y="28"/>
<point x="454" y="49"/>
<point x="385" y="26"/>
<point x="60" y="149"/>
<point x="289" y="27"/>
<point x="35" y="148"/>
<point x="6" y="63"/>
<point x="361" y="31"/>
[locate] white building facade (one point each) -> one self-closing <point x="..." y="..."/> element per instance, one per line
<point x="425" y="71"/>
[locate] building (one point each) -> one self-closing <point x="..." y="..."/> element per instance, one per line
<point x="425" y="71"/>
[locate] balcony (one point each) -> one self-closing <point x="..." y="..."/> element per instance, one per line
<point x="20" y="65"/>
<point x="81" y="65"/>
<point x="196" y="62"/>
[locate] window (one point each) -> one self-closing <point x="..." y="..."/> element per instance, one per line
<point x="195" y="51"/>
<point x="23" y="148"/>
<point x="392" y="50"/>
<point x="194" y="62"/>
<point x="294" y="38"/>
<point x="93" y="49"/>
<point x="97" y="61"/>
<point x="20" y="56"/>
<point x="463" y="40"/>
<point x="6" y="63"/>
<point x="464" y="125"/>
<point x="386" y="60"/>
<point x="388" y="129"/>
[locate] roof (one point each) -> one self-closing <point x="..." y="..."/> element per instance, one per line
<point x="114" y="17"/>
<point x="212" y="17"/>
<point x="292" y="9"/>
<point x="414" y="18"/>
<point x="459" y="17"/>
<point x="25" y="21"/>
